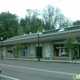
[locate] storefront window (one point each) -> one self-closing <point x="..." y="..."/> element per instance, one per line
<point x="24" y="51"/>
<point x="59" y="50"/>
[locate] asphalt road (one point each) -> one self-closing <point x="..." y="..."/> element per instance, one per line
<point x="27" y="70"/>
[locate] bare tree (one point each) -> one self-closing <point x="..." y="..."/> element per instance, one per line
<point x="61" y="20"/>
<point x="53" y="18"/>
<point x="47" y="15"/>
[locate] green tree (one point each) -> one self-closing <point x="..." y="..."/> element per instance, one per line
<point x="23" y="23"/>
<point x="77" y="22"/>
<point x="8" y="25"/>
<point x="33" y="22"/>
<point x="18" y="46"/>
<point x="29" y="13"/>
<point x="36" y="24"/>
<point x="70" y="47"/>
<point x="20" y="30"/>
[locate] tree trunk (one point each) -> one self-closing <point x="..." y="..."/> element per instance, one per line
<point x="70" y="57"/>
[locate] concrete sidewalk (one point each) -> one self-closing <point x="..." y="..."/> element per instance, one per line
<point x="42" y="60"/>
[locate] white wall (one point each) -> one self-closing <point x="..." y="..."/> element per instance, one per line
<point x="32" y="50"/>
<point x="4" y="51"/>
<point x="46" y="50"/>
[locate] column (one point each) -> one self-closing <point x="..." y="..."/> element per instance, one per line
<point x="35" y="51"/>
<point x="28" y="51"/>
<point x="47" y="49"/>
<point x="4" y="52"/>
<point x="32" y="50"/>
<point x="51" y="50"/>
<point x="43" y="51"/>
<point x="77" y="50"/>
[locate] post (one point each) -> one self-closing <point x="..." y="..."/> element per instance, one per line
<point x="1" y="48"/>
<point x="38" y="49"/>
<point x="14" y="51"/>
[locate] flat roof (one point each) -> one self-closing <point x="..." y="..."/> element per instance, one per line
<point x="46" y="33"/>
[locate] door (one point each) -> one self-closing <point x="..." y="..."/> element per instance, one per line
<point x="38" y="52"/>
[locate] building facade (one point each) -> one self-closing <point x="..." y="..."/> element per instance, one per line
<point x="48" y="45"/>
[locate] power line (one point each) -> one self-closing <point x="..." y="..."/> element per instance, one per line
<point x="51" y="3"/>
<point x="54" y="2"/>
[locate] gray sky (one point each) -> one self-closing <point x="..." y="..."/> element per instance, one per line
<point x="70" y="8"/>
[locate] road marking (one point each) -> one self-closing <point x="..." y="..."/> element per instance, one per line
<point x="9" y="77"/>
<point x="74" y="67"/>
<point x="10" y="61"/>
<point x="43" y="70"/>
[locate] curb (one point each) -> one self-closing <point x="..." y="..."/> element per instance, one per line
<point x="41" y="60"/>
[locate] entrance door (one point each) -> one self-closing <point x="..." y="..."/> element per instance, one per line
<point x="38" y="52"/>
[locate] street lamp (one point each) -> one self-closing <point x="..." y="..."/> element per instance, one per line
<point x="1" y="48"/>
<point x="38" y="46"/>
<point x="14" y="51"/>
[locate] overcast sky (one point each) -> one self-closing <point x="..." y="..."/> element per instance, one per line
<point x="70" y="8"/>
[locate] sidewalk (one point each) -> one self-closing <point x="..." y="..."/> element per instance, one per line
<point x="42" y="60"/>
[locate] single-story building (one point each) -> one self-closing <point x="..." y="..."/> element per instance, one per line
<point x="46" y="45"/>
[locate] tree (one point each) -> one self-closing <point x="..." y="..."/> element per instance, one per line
<point x="61" y="20"/>
<point x="67" y="23"/>
<point x="20" y="30"/>
<point x="8" y="25"/>
<point x="53" y="18"/>
<point x="47" y="15"/>
<point x="36" y="23"/>
<point x="77" y="22"/>
<point x="28" y="17"/>
<point x="18" y="46"/>
<point x="33" y="23"/>
<point x="70" y="47"/>
<point x="23" y="23"/>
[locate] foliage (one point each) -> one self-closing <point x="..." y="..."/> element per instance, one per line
<point x="69" y="45"/>
<point x="20" y="30"/>
<point x="18" y="46"/>
<point x="53" y="17"/>
<point x="31" y="22"/>
<point x="23" y="23"/>
<point x="76" y="22"/>
<point x="8" y="25"/>
<point x="47" y="15"/>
